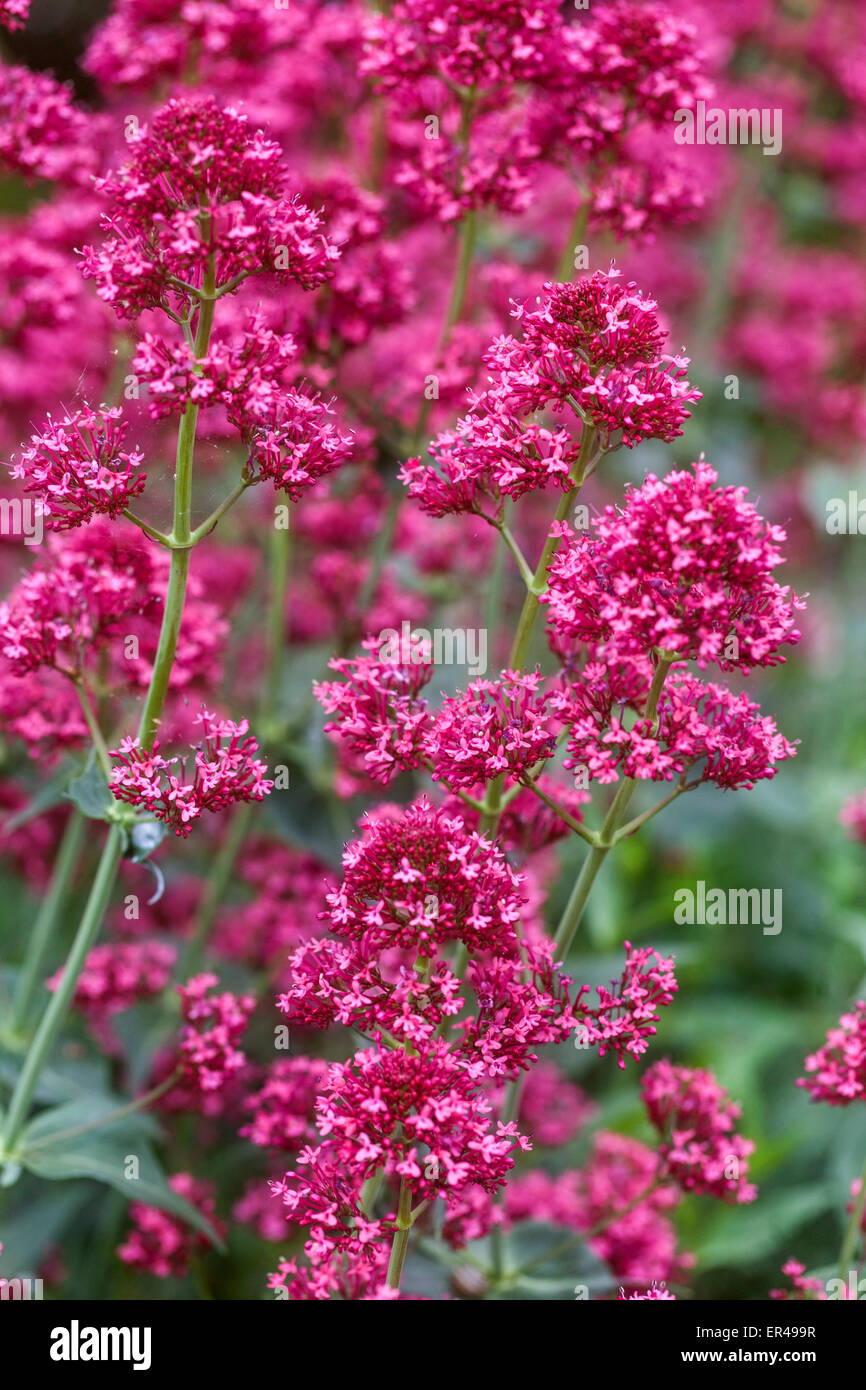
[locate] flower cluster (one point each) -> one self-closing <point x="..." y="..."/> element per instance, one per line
<point x="208" y="1054"/>
<point x="118" y="975"/>
<point x="226" y="771"/>
<point x="43" y="135"/>
<point x="592" y="347"/>
<point x="13" y="14"/>
<point x="199" y="208"/>
<point x="684" y="566"/>
<point x="696" y="722"/>
<point x="694" y="1116"/>
<point x="420" y="879"/>
<point x="283" y="1111"/>
<point x="79" y="467"/>
<point x="837" y="1071"/>
<point x="163" y="1244"/>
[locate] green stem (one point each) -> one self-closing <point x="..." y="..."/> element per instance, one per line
<point x="576" y="905"/>
<point x="852" y="1233"/>
<point x="210" y="522"/>
<point x="47" y="920"/>
<point x="58" y="1005"/>
<point x="565" y="269"/>
<point x="401" y="1236"/>
<point x="531" y="608"/>
<point x="281" y="550"/>
<point x="460" y="284"/>
<point x="99" y="744"/>
<point x="100" y="893"/>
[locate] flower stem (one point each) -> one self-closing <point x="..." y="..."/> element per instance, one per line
<point x="49" y="915"/>
<point x="577" y="232"/>
<point x="401" y="1236"/>
<point x="120" y="1113"/>
<point x="58" y="1005"/>
<point x="100" y="893"/>
<point x="281" y="550"/>
<point x="576" y="904"/>
<point x="217" y="883"/>
<point x="852" y="1232"/>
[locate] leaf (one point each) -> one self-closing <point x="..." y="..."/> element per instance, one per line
<point x="51" y="794"/>
<point x="90" y="792"/>
<point x="764" y="1226"/>
<point x="557" y="1269"/>
<point x="103" y="1155"/>
<point x="35" y="1225"/>
<point x="70" y="1077"/>
<point x="90" y="1110"/>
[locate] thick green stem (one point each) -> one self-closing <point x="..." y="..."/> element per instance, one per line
<point x="49" y="915"/>
<point x="853" y="1232"/>
<point x="58" y="1006"/>
<point x="401" y="1236"/>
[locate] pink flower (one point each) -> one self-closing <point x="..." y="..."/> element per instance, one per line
<point x="654" y="1291"/>
<point x="13" y="14"/>
<point x="245" y="375"/>
<point x="695" y="1118"/>
<point x="283" y="1111"/>
<point x="421" y="879"/>
<point x="79" y="467"/>
<point x="468" y="42"/>
<point x="202" y="192"/>
<point x="163" y="1244"/>
<point x="501" y="726"/>
<point x="853" y="817"/>
<point x="118" y="975"/>
<point x="298" y="444"/>
<point x="207" y="1051"/>
<point x="381" y="719"/>
<point x="839" y="1067"/>
<point x="592" y="347"/>
<point x="684" y="566"/>
<point x="225" y="772"/>
<point x="42" y="135"/>
<point x="696" y="722"/>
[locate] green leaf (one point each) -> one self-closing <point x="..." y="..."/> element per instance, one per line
<point x="89" y="1110"/>
<point x="90" y="792"/>
<point x="765" y="1226"/>
<point x="557" y="1268"/>
<point x="103" y="1155"/>
<point x="36" y="1224"/>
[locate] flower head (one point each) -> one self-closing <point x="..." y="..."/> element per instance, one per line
<point x="199" y="208"/>
<point x="226" y="771"/>
<point x="420" y="879"/>
<point x="79" y="467"/>
<point x="837" y="1071"/>
<point x="695" y="1118"/>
